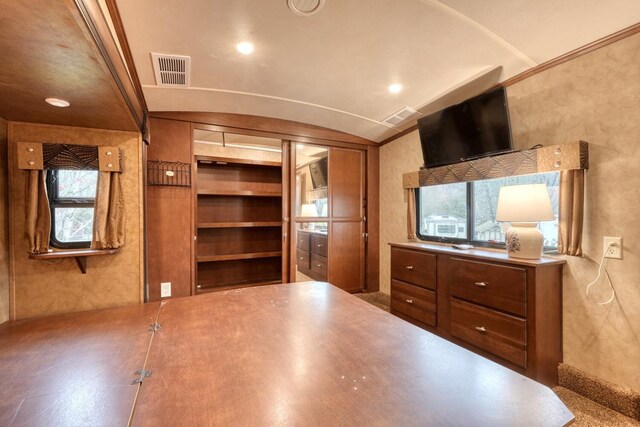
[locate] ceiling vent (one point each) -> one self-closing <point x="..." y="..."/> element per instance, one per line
<point x="172" y="70"/>
<point x="402" y="116"/>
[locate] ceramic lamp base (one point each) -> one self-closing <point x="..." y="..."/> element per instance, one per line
<point x="524" y="240"/>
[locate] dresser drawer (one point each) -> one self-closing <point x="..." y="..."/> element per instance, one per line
<point x="303" y="259"/>
<point x="414" y="302"/>
<point x="497" y="333"/>
<point x="319" y="267"/>
<point x="303" y="241"/>
<point x="417" y="268"/>
<point x="319" y="245"/>
<point x="497" y="286"/>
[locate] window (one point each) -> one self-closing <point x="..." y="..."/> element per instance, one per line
<point x="71" y="196"/>
<point x="466" y="212"/>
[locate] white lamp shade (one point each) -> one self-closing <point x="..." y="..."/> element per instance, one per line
<point x="308" y="210"/>
<point x="524" y="203"/>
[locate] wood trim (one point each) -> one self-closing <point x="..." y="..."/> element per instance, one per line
<point x="106" y="47"/>
<point x="400" y="135"/>
<point x="600" y="43"/>
<point x="275" y="128"/>
<point x="121" y="35"/>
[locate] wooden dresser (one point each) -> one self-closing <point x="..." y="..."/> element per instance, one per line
<point x="311" y="250"/>
<point x="506" y="309"/>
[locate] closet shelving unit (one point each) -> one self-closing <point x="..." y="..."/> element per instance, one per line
<point x="238" y="222"/>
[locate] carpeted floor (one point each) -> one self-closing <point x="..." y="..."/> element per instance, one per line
<point x="379" y="299"/>
<point x="590" y="414"/>
<point x="587" y="412"/>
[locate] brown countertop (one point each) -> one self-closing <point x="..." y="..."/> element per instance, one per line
<point x="480" y="253"/>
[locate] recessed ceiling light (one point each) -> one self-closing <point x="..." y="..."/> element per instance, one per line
<point x="395" y="88"/>
<point x="305" y="7"/>
<point x="57" y="102"/>
<point x="245" y="48"/>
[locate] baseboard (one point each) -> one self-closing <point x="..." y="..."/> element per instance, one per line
<point x="620" y="399"/>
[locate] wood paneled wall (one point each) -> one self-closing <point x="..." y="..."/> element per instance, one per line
<point x="4" y="225"/>
<point x="39" y="288"/>
<point x="169" y="214"/>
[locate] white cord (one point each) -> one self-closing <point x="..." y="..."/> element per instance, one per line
<point x="600" y="268"/>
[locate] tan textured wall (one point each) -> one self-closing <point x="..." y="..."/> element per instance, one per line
<point x="41" y="288"/>
<point x="596" y="98"/>
<point x="4" y="226"/>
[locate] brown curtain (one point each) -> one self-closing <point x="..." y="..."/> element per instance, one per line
<point x="109" y="218"/>
<point x="38" y="218"/>
<point x="571" y="213"/>
<point x="411" y="213"/>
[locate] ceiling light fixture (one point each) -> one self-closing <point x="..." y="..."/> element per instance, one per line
<point x="57" y="102"/>
<point x="245" y="48"/>
<point x="395" y="88"/>
<point x="305" y="7"/>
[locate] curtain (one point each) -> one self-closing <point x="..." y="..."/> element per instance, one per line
<point x="411" y="213"/>
<point x="108" y="217"/>
<point x="571" y="215"/>
<point x="38" y="215"/>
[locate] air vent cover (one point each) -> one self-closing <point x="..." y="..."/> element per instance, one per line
<point x="402" y="116"/>
<point x="172" y="70"/>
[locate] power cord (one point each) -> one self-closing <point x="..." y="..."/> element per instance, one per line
<point x="600" y="268"/>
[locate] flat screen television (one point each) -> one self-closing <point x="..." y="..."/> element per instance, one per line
<point x="475" y="128"/>
<point x="318" y="171"/>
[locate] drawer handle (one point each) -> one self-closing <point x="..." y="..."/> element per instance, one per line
<point x="409" y="267"/>
<point x="410" y="301"/>
<point x="300" y="257"/>
<point x="319" y="246"/>
<point x="481" y="329"/>
<point x="481" y="284"/>
<point x="318" y="265"/>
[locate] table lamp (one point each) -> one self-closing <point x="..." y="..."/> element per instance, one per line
<point x="524" y="206"/>
<point x="308" y="210"/>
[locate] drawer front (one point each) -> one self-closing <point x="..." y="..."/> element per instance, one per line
<point x="497" y="333"/>
<point x="497" y="286"/>
<point x="303" y="259"/>
<point x="417" y="268"/>
<point x="319" y="245"/>
<point x="413" y="301"/>
<point x="319" y="267"/>
<point x="303" y="241"/>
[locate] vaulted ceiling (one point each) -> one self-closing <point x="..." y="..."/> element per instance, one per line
<point x="333" y="68"/>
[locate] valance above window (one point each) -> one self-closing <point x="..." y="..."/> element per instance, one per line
<point x="109" y="216"/>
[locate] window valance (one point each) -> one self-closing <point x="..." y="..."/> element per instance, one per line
<point x="51" y="156"/>
<point x="574" y="156"/>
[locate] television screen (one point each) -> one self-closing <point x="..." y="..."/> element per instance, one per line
<point x="318" y="171"/>
<point x="474" y="128"/>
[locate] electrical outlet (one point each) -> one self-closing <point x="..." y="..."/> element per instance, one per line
<point x="615" y="250"/>
<point x="165" y="289"/>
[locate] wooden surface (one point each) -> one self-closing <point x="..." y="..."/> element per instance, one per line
<point x="65" y="63"/>
<point x="169" y="214"/>
<point x="499" y="255"/>
<point x="508" y="311"/>
<point x="310" y="354"/>
<point x="73" y="369"/>
<point x="372" y="280"/>
<point x="278" y="128"/>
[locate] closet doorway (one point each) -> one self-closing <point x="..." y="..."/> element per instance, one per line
<point x="329" y="206"/>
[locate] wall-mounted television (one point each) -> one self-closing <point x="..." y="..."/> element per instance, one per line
<point x="318" y="170"/>
<point x="475" y="128"/>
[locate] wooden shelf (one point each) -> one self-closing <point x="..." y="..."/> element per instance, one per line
<point x="237" y="285"/>
<point x="246" y="224"/>
<point x="248" y="193"/>
<point x="80" y="256"/>
<point x="225" y="160"/>
<point x="230" y="257"/>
